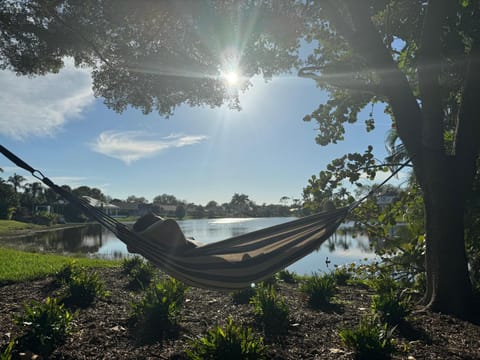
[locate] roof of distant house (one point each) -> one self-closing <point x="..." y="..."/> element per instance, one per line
<point x="98" y="203"/>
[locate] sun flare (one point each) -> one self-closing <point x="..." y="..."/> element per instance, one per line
<point x="231" y="78"/>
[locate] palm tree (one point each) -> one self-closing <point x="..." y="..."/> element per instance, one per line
<point x="16" y="180"/>
<point x="395" y="148"/>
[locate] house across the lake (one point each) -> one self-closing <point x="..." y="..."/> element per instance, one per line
<point x="107" y="208"/>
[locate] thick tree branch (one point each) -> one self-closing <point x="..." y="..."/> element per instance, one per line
<point x="429" y="60"/>
<point x="339" y="81"/>
<point x="366" y="41"/>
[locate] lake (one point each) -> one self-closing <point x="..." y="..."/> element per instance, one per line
<point x="342" y="248"/>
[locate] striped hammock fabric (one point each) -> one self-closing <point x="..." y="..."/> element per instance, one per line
<point x="238" y="262"/>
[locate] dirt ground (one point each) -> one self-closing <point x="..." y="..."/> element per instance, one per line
<point x="102" y="331"/>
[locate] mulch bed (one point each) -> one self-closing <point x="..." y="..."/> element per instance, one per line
<point x="102" y="330"/>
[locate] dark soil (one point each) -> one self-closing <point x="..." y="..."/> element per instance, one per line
<point x="102" y="330"/>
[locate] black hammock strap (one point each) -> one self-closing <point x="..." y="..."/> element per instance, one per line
<point x="228" y="264"/>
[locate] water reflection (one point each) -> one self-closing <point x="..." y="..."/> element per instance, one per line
<point x="341" y="248"/>
<point x="81" y="239"/>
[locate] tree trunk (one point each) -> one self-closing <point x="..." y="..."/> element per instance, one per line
<point x="448" y="284"/>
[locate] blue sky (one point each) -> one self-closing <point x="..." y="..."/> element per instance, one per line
<point x="199" y="154"/>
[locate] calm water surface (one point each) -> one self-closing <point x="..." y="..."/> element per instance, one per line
<point x="93" y="239"/>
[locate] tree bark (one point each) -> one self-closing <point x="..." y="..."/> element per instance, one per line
<point x="448" y="283"/>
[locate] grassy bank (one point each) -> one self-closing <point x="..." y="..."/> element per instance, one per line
<point x="7" y="226"/>
<point x="18" y="266"/>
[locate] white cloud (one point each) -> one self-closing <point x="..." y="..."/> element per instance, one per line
<point x="40" y="106"/>
<point x="130" y="146"/>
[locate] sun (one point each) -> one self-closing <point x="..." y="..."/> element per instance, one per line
<point x="232" y="78"/>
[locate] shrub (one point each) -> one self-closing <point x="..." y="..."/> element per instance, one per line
<point x="82" y="288"/>
<point x="243" y="296"/>
<point x="341" y="275"/>
<point x="47" y="325"/>
<point x="393" y="307"/>
<point x="141" y="276"/>
<point x="287" y="276"/>
<point x="130" y="263"/>
<point x="159" y="309"/>
<point x="369" y="340"/>
<point x="45" y="218"/>
<point x="233" y="342"/>
<point x="140" y="273"/>
<point x="64" y="274"/>
<point x="319" y="289"/>
<point x="271" y="310"/>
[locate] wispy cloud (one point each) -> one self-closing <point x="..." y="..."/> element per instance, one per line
<point x="40" y="106"/>
<point x="130" y="146"/>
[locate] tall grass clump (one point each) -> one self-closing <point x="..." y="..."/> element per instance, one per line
<point x="271" y="310"/>
<point x="232" y="342"/>
<point x="319" y="289"/>
<point x="369" y="340"/>
<point x="46" y="325"/>
<point x="159" y="309"/>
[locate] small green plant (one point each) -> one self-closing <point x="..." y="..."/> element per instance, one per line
<point x="159" y="309"/>
<point x="287" y="276"/>
<point x="83" y="288"/>
<point x="319" y="290"/>
<point x="369" y="340"/>
<point x="233" y="342"/>
<point x="140" y="273"/>
<point x="393" y="307"/>
<point x="243" y="296"/>
<point x="383" y="283"/>
<point x="7" y="352"/>
<point x="130" y="263"/>
<point x="47" y="325"/>
<point x="64" y="274"/>
<point x="271" y="310"/>
<point x="141" y="276"/>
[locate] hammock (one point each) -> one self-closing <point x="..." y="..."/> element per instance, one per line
<point x="237" y="262"/>
<point x="230" y="264"/>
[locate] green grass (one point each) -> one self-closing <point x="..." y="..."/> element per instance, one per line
<point x="7" y="226"/>
<point x="17" y="266"/>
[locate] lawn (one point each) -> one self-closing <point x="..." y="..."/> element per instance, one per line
<point x="7" y="226"/>
<point x="18" y="266"/>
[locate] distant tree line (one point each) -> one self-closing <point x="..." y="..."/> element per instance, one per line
<point x="33" y="202"/>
